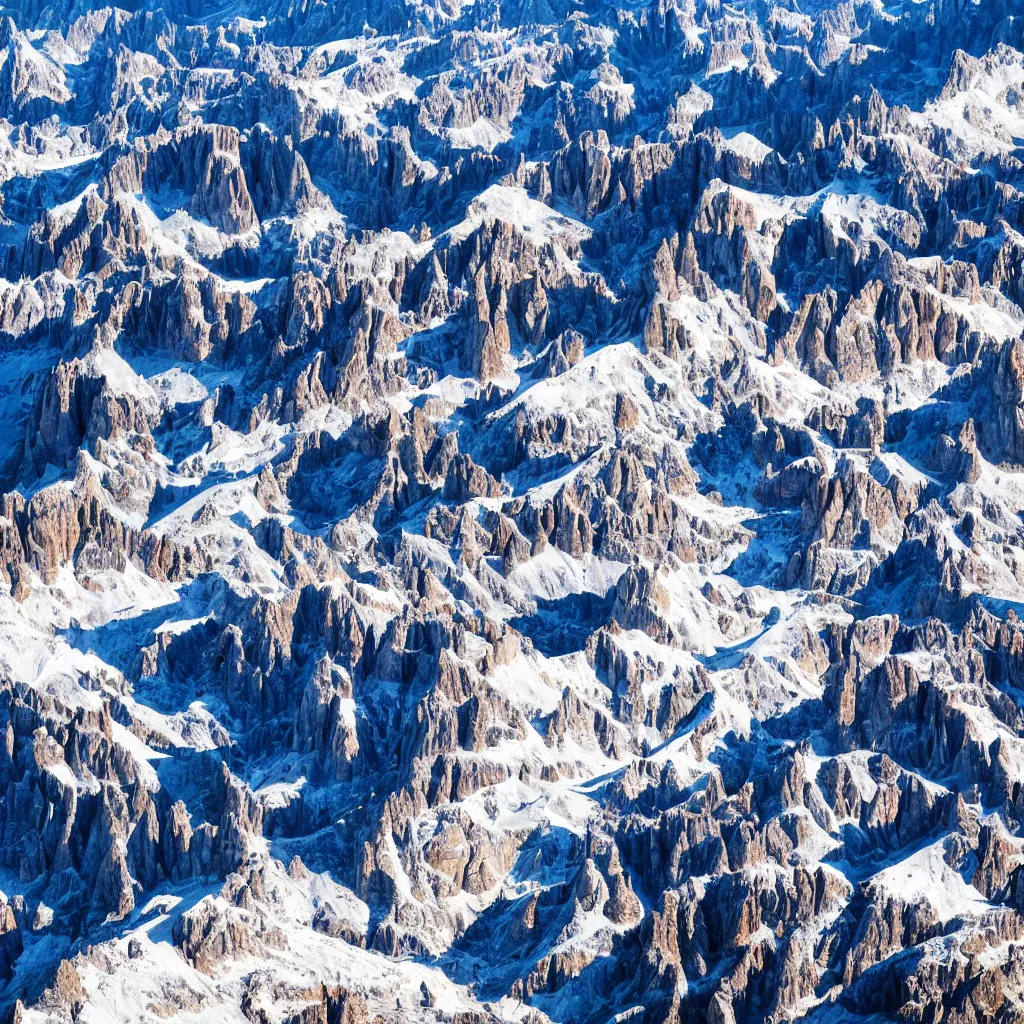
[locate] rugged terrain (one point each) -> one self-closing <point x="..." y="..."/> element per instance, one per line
<point x="511" y="511"/>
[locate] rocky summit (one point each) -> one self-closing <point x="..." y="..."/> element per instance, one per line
<point x="512" y="511"/>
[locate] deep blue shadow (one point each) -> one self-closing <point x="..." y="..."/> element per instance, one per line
<point x="562" y="626"/>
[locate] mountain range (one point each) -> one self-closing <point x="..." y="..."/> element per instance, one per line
<point x="511" y="512"/>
